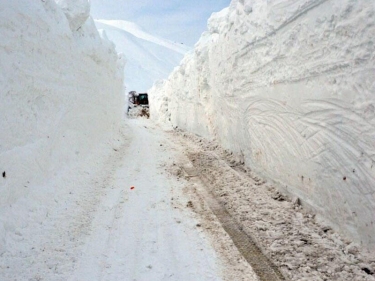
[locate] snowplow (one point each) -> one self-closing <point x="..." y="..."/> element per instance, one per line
<point x="138" y="105"/>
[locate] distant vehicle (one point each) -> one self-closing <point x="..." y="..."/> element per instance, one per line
<point x="138" y="104"/>
<point x="136" y="99"/>
<point x="142" y="100"/>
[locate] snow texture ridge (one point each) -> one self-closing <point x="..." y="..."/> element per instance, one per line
<point x="61" y="98"/>
<point x="76" y="11"/>
<point x="289" y="87"/>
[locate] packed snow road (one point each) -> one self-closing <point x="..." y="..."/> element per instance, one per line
<point x="137" y="234"/>
<point x="132" y="220"/>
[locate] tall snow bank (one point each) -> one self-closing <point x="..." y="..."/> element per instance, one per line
<point x="61" y="97"/>
<point x="289" y="85"/>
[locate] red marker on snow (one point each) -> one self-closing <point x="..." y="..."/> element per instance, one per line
<point x="132" y="187"/>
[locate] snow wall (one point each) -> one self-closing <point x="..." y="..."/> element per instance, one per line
<point x="61" y="97"/>
<point x="290" y="86"/>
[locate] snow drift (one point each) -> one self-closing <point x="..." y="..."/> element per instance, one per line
<point x="149" y="58"/>
<point x="61" y="97"/>
<point x="289" y="87"/>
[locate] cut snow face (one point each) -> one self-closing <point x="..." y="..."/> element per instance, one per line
<point x="61" y="98"/>
<point x="149" y="58"/>
<point x="288" y="86"/>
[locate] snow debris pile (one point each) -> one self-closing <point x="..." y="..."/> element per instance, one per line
<point x="61" y="98"/>
<point x="289" y="87"/>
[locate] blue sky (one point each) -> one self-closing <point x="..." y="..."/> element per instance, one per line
<point x="176" y="20"/>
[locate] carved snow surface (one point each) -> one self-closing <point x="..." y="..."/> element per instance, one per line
<point x="289" y="85"/>
<point x="61" y="99"/>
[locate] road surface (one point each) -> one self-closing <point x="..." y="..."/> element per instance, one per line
<point x="136" y="220"/>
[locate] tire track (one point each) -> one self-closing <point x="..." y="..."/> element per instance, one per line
<point x="245" y="244"/>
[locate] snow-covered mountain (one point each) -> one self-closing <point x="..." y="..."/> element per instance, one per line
<point x="149" y="58"/>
